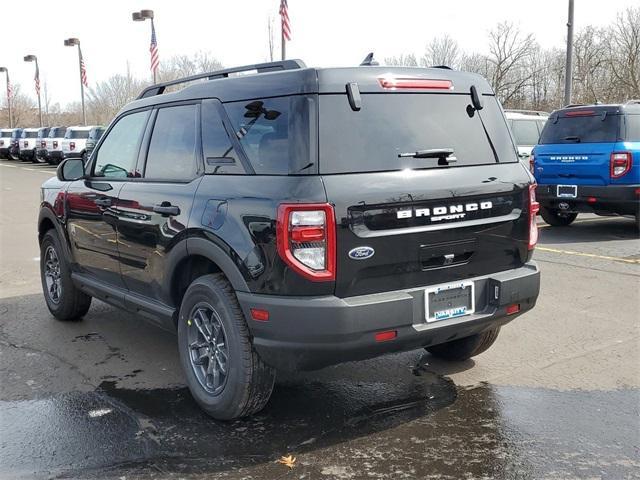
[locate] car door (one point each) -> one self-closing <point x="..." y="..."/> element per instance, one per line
<point x="91" y="202"/>
<point x="153" y="211"/>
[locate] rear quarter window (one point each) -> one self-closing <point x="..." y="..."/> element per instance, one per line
<point x="525" y="132"/>
<point x="632" y="133"/>
<point x="596" y="128"/>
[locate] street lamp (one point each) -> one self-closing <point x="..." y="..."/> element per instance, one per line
<point x="141" y="16"/>
<point x="33" y="58"/>
<point x="70" y="42"/>
<point x="6" y="70"/>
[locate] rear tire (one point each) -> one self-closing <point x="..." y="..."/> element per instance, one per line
<point x="465" y="348"/>
<point x="224" y="373"/>
<point x="64" y="300"/>
<point x="556" y="218"/>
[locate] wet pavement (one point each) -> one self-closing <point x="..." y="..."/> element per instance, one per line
<point x="558" y="395"/>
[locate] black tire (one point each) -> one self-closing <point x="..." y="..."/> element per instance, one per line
<point x="69" y="303"/>
<point x="465" y="348"/>
<point x="556" y="218"/>
<point x="248" y="381"/>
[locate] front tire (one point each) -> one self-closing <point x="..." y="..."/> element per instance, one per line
<point x="556" y="218"/>
<point x="64" y="300"/>
<point x="465" y="348"/>
<point x="224" y="373"/>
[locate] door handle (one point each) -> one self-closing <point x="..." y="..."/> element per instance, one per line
<point x="102" y="202"/>
<point x="166" y="209"/>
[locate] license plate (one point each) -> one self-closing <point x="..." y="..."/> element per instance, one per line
<point x="567" y="191"/>
<point x="449" y="301"/>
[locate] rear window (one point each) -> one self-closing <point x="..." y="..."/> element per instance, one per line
<point x="597" y="128"/>
<point x="5" y="134"/>
<point x="77" y="134"/>
<point x="58" y="132"/>
<point x="30" y="134"/>
<point x="632" y="128"/>
<point x="390" y="124"/>
<point x="43" y="132"/>
<point x="276" y="133"/>
<point x="96" y="133"/>
<point x="525" y="131"/>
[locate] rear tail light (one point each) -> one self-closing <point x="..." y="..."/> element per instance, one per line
<point x="306" y="238"/>
<point x="394" y="83"/>
<point x="534" y="208"/>
<point x="55" y="144"/>
<point x="26" y="143"/>
<point x="1" y="143"/>
<point x="72" y="145"/>
<point x="532" y="163"/>
<point x="513" y="308"/>
<point x="43" y="144"/>
<point x="620" y="164"/>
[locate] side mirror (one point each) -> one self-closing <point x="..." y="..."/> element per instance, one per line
<point x="70" y="169"/>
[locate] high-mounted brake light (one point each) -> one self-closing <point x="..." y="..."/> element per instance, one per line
<point x="306" y="239"/>
<point x="534" y="208"/>
<point x="394" y="83"/>
<point x="580" y="113"/>
<point x="620" y="164"/>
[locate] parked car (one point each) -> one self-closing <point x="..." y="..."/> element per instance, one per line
<point x="94" y="135"/>
<point x="27" y="144"/>
<point x="54" y="144"/>
<point x="588" y="160"/>
<point x="14" y="147"/>
<point x="41" y="144"/>
<point x="74" y="143"/>
<point x="322" y="216"/>
<point x="526" y="126"/>
<point x="5" y="141"/>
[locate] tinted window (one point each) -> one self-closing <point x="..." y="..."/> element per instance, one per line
<point x="43" y="132"/>
<point x="58" y="132"/>
<point x="76" y="133"/>
<point x="30" y="134"/>
<point x="96" y="133"/>
<point x="5" y="134"/>
<point x="583" y="129"/>
<point x="172" y="151"/>
<point x="633" y="128"/>
<point x="390" y="124"/>
<point x="525" y="131"/>
<point x="119" y="150"/>
<point x="219" y="154"/>
<point x="16" y="134"/>
<point x="275" y="133"/>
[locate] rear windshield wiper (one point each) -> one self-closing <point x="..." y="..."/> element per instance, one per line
<point x="439" y="153"/>
<point x="572" y="138"/>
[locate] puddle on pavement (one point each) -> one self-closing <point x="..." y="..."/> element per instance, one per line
<point x="501" y="432"/>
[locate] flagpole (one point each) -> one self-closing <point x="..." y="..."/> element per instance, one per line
<point x="284" y="43"/>
<point x="39" y="104"/>
<point x="84" y="114"/>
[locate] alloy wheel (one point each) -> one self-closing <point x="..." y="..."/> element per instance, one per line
<point x="52" y="274"/>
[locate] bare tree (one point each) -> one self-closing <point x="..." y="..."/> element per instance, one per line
<point x="624" y="52"/>
<point x="403" y="60"/>
<point x="180" y="66"/>
<point x="441" y="51"/>
<point x="510" y="53"/>
<point x="109" y="96"/>
<point x="23" y="108"/>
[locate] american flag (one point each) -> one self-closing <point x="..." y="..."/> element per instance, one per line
<point x="153" y="49"/>
<point x="83" y="71"/>
<point x="36" y="79"/>
<point x="9" y="89"/>
<point x="284" y="18"/>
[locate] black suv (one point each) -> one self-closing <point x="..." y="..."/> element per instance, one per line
<point x="295" y="218"/>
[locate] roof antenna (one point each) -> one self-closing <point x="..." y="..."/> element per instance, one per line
<point x="369" y="61"/>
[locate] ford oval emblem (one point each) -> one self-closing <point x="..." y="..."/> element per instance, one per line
<point x="361" y="253"/>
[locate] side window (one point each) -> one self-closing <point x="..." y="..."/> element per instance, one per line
<point x="633" y="128"/>
<point x="119" y="152"/>
<point x="172" y="151"/>
<point x="219" y="154"/>
<point x="526" y="132"/>
<point x="275" y="133"/>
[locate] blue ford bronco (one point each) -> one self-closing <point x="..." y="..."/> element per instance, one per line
<point x="588" y="160"/>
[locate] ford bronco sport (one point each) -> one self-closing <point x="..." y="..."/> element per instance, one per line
<point x="295" y="218"/>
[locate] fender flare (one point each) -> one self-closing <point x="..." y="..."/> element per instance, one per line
<point x="212" y="251"/>
<point x="47" y="213"/>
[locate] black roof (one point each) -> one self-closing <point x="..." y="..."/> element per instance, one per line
<point x="299" y="80"/>
<point x="632" y="106"/>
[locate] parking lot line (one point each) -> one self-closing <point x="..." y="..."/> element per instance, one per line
<point x="591" y="255"/>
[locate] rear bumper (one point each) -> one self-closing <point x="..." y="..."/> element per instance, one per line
<point x="26" y="154"/>
<point x="306" y="333"/>
<point x="4" y="152"/>
<point x="621" y="199"/>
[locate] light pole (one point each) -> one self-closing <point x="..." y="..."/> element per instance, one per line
<point x="6" y="70"/>
<point x="569" y="63"/>
<point x="33" y="58"/>
<point x="141" y="16"/>
<point x="70" y="42"/>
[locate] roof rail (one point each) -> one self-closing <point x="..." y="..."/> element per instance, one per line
<point x="159" y="88"/>
<point x="539" y="113"/>
<point x="575" y="105"/>
<point x="633" y="101"/>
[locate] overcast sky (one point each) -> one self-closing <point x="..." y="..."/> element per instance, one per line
<point x="325" y="32"/>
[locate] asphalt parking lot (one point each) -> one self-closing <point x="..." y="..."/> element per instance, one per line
<point x="556" y="397"/>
